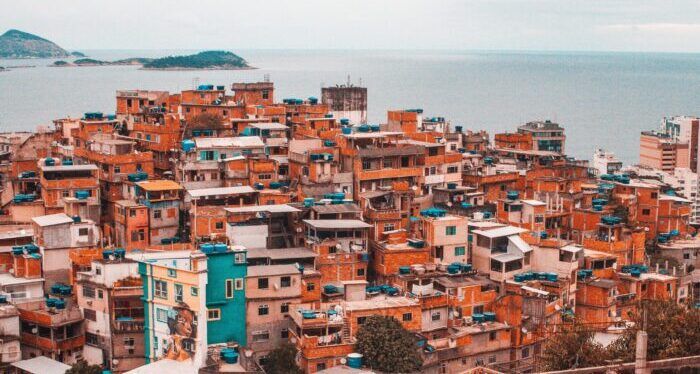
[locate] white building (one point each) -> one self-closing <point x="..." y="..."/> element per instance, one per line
<point x="606" y="162"/>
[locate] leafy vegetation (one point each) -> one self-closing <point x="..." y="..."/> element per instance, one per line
<point x="77" y="54"/>
<point x="202" y="60"/>
<point x="574" y="348"/>
<point x="82" y="367"/>
<point x="282" y="360"/>
<point x="387" y="347"/>
<point x="60" y="63"/>
<point x="673" y="331"/>
<point x="89" y="61"/>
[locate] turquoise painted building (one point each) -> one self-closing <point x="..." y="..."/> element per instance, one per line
<point x="192" y="300"/>
<point x="226" y="313"/>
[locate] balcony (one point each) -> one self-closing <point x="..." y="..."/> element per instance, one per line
<point x="127" y="325"/>
<point x="53" y="344"/>
<point x="385" y="214"/>
<point x="391" y="173"/>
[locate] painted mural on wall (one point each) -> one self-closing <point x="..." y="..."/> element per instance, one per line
<point x="182" y="325"/>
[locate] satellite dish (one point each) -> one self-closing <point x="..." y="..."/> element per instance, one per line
<point x="343" y="361"/>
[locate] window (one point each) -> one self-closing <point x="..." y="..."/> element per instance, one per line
<point x="366" y="165"/>
<point x="90" y="314"/>
<point x="229" y="288"/>
<point x="452" y="169"/>
<point x="100" y="294"/>
<point x="65" y="193"/>
<point x="646" y="212"/>
<point x="389" y="227"/>
<point x="89" y="292"/>
<point x="213" y="314"/>
<point x="654" y="195"/>
<point x="206" y="155"/>
<point x="321" y="366"/>
<point x="219" y="225"/>
<point x="156" y="214"/>
<point x="239" y="258"/>
<point x="407" y="317"/>
<point x="459" y="251"/>
<point x="263" y="310"/>
<point x="286" y="282"/>
<point x="83" y="231"/>
<point x="117" y="169"/>
<point x="261" y="336"/>
<point x="194" y="291"/>
<point x="436" y="316"/>
<point x="526" y="352"/>
<point x="492" y="335"/>
<point x="98" y="270"/>
<point x="451" y="230"/>
<point x="310" y="287"/>
<point x="239" y="283"/>
<point x="129" y="341"/>
<point x="172" y="273"/>
<point x="161" y="289"/>
<point x="361" y="272"/>
<point x="387" y="163"/>
<point x="361" y="320"/>
<point x="284" y="308"/>
<point x="178" y="293"/>
<point x="161" y="315"/>
<point x="264" y="176"/>
<point x="132" y="212"/>
<point x="492" y="359"/>
<point x="92" y="339"/>
<point x="284" y="333"/>
<point x="262" y="283"/>
<point x="265" y="94"/>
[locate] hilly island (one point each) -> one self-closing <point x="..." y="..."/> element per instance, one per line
<point x="20" y="44"/>
<point x="207" y="60"/>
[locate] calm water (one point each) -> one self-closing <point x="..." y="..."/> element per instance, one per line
<point x="602" y="99"/>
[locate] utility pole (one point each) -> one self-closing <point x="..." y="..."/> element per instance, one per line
<point x="640" y="354"/>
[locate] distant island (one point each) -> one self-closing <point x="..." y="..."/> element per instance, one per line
<point x="208" y="60"/>
<point x="20" y="44"/>
<point x="77" y="54"/>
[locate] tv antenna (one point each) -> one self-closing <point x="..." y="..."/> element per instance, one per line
<point x="195" y="83"/>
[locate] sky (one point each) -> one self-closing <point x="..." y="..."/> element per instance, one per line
<point x="539" y="25"/>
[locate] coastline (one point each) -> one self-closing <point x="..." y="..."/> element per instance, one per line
<point x="189" y="69"/>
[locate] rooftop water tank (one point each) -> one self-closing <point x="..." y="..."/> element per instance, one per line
<point x="354" y="360"/>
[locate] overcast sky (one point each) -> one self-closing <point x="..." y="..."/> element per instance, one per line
<point x="579" y="25"/>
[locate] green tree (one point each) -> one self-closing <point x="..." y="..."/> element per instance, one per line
<point x="386" y="346"/>
<point x="282" y="360"/>
<point x="573" y="348"/>
<point x="673" y="331"/>
<point x="82" y="367"/>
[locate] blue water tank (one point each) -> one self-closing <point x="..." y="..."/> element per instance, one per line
<point x="354" y="360"/>
<point x="489" y="316"/>
<point x="49" y="161"/>
<point x="478" y="318"/>
<point x="220" y="248"/>
<point x="188" y="145"/>
<point x="207" y="248"/>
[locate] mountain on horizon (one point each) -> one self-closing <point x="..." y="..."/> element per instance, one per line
<point x="20" y="44"/>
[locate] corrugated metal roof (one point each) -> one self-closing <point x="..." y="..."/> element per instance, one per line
<point x="501" y="231"/>
<point x="220" y="191"/>
<point x="240" y="141"/>
<point x="269" y="126"/>
<point x="159" y="185"/>
<point x="275" y="208"/>
<point x="69" y="167"/>
<point x="336" y="208"/>
<point x="52" y="219"/>
<point x="337" y="223"/>
<point x="41" y="365"/>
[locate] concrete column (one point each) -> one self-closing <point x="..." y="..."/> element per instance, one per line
<point x="640" y="356"/>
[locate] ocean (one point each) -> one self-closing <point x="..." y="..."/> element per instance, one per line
<point x="603" y="100"/>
